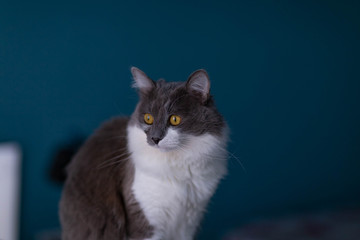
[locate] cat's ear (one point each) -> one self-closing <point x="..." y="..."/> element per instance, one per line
<point x="198" y="84"/>
<point x="142" y="81"/>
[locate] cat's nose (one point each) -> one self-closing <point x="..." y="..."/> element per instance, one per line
<point x="156" y="140"/>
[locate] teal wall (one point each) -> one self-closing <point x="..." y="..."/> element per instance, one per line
<point x="285" y="74"/>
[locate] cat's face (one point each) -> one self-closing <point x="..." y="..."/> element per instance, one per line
<point x="170" y="113"/>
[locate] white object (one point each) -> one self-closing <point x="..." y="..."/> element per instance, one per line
<point x="10" y="155"/>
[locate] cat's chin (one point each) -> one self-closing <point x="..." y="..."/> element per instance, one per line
<point x="165" y="149"/>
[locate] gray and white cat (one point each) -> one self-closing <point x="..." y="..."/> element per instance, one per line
<point x="149" y="176"/>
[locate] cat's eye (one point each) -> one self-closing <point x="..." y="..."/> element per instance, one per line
<point x="175" y="120"/>
<point x="148" y="118"/>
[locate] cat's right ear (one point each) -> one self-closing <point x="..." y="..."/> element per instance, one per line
<point x="141" y="81"/>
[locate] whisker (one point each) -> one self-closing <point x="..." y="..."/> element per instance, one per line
<point x="238" y="160"/>
<point x="116" y="151"/>
<point x="111" y="159"/>
<point x="182" y="147"/>
<point x="113" y="163"/>
<point x="112" y="136"/>
<point x="231" y="156"/>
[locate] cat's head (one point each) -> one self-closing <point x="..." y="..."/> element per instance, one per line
<point x="170" y="113"/>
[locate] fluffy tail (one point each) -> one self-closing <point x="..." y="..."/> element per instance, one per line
<point x="62" y="157"/>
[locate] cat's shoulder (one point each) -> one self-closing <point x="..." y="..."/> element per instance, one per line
<point x="113" y="125"/>
<point x="107" y="142"/>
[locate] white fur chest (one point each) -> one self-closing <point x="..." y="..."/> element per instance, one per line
<point x="173" y="188"/>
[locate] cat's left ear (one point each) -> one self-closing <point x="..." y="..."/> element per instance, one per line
<point x="142" y="81"/>
<point x="198" y="84"/>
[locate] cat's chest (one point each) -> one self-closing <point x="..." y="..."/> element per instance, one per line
<point x="183" y="188"/>
<point x="167" y="198"/>
<point x="172" y="206"/>
<point x="173" y="197"/>
<point x="173" y="188"/>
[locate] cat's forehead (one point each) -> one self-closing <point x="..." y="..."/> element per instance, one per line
<point x="168" y="87"/>
<point x="165" y="96"/>
<point x="166" y="91"/>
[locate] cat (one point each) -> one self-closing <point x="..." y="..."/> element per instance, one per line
<point x="150" y="175"/>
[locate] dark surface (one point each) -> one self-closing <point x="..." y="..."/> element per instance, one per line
<point x="285" y="75"/>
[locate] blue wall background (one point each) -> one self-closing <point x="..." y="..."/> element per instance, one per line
<point x="285" y="74"/>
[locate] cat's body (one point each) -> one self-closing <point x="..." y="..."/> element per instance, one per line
<point x="148" y="178"/>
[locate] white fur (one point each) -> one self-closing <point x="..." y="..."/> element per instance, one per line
<point x="174" y="186"/>
<point x="170" y="142"/>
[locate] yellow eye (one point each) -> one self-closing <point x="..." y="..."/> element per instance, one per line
<point x="175" y="120"/>
<point x="148" y="118"/>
